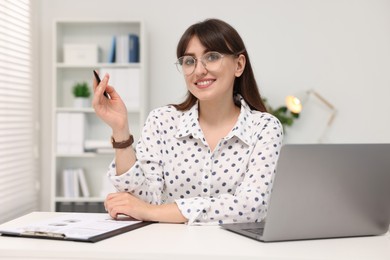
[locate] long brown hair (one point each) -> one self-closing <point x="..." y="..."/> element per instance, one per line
<point x="217" y="35"/>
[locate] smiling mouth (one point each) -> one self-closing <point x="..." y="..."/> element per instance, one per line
<point x="204" y="83"/>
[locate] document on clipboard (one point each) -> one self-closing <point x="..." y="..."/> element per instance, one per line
<point x="82" y="227"/>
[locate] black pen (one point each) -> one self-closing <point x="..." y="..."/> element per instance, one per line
<point x="98" y="82"/>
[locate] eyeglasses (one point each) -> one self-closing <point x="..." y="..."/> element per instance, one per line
<point x="211" y="61"/>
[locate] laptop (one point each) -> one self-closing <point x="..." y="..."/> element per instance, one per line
<point x="326" y="191"/>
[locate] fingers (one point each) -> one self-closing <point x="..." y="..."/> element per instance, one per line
<point x="124" y="203"/>
<point x="118" y="203"/>
<point x="108" y="199"/>
<point x="112" y="208"/>
<point x="94" y="83"/>
<point x="100" y="88"/>
<point x="118" y="210"/>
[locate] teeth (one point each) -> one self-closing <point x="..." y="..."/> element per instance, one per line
<point x="203" y="83"/>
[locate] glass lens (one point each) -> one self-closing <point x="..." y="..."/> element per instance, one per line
<point x="212" y="60"/>
<point x="186" y="64"/>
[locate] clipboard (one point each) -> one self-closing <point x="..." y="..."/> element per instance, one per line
<point x="79" y="227"/>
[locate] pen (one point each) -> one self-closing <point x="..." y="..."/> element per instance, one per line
<point x="98" y="82"/>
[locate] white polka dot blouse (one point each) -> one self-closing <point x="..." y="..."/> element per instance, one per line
<point x="175" y="165"/>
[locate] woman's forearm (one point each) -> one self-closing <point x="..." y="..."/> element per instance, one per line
<point x="168" y="213"/>
<point x="124" y="159"/>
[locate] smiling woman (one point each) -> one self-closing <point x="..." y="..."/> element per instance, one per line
<point x="210" y="159"/>
<point x="18" y="167"/>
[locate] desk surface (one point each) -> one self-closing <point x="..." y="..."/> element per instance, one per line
<point x="179" y="241"/>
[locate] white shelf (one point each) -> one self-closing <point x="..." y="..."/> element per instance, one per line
<point x="75" y="110"/>
<point x="88" y="110"/>
<point x="65" y="75"/>
<point x="86" y="155"/>
<point x="80" y="199"/>
<point x="98" y="65"/>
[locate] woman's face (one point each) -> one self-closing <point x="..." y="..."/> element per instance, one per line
<point x="215" y="84"/>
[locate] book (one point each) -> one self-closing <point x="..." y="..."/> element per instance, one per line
<point x="125" y="48"/>
<point x="66" y="183"/>
<point x="83" y="182"/>
<point x="122" y="50"/>
<point x="74" y="183"/>
<point x="133" y="48"/>
<point x="112" y="53"/>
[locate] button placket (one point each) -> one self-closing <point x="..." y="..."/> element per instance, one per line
<point x="206" y="173"/>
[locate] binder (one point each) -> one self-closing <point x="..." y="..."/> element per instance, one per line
<point x="112" y="54"/>
<point x="133" y="48"/>
<point x="79" y="227"/>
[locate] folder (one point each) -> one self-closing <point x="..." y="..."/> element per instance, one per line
<point x="63" y="135"/>
<point x="133" y="48"/>
<point x="111" y="57"/>
<point x="70" y="133"/>
<point x="79" y="227"/>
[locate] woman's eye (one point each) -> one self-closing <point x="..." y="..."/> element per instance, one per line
<point x="213" y="57"/>
<point x="188" y="61"/>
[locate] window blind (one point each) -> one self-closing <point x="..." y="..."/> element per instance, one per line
<point x="18" y="163"/>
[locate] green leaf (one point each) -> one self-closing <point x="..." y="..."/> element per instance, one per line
<point x="81" y="90"/>
<point x="282" y="113"/>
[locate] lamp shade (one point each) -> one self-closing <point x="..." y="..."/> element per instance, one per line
<point x="294" y="104"/>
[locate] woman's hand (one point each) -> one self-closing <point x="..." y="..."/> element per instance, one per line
<point x="112" y="111"/>
<point x="127" y="204"/>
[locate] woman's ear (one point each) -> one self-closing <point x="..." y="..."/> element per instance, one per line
<point x="240" y="66"/>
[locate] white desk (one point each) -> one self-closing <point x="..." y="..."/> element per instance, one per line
<point x="178" y="241"/>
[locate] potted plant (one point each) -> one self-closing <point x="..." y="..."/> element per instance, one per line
<point x="81" y="93"/>
<point x="285" y="116"/>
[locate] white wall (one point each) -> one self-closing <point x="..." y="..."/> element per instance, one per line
<point x="341" y="48"/>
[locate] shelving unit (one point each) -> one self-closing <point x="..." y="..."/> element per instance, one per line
<point x="65" y="75"/>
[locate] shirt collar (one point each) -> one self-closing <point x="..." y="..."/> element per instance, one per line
<point x="189" y="124"/>
<point x="243" y="127"/>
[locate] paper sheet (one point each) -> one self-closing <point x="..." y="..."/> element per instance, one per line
<point x="75" y="225"/>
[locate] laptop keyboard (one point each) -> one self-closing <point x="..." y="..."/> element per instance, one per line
<point x="257" y="231"/>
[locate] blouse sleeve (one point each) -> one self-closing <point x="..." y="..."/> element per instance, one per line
<point x="144" y="180"/>
<point x="249" y="202"/>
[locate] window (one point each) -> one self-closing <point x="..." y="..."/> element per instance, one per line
<point x="18" y="162"/>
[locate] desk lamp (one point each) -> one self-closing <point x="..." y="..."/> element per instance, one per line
<point x="295" y="104"/>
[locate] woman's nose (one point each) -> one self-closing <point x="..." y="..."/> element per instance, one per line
<point x="200" y="68"/>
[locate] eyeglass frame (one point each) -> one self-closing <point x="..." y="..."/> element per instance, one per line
<point x="177" y="63"/>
